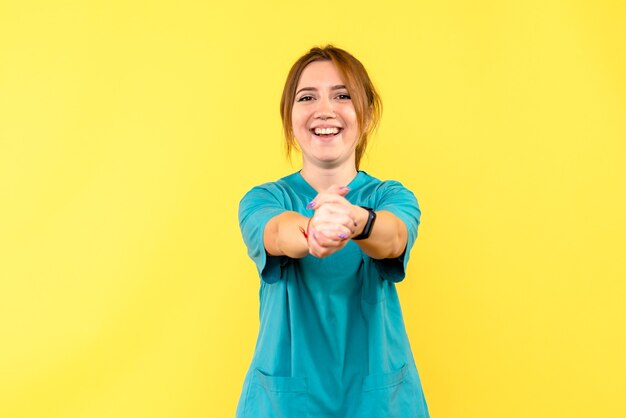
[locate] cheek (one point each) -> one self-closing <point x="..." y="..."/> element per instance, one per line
<point x="298" y="120"/>
<point x="350" y="116"/>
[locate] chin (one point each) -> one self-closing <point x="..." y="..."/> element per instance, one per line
<point x="333" y="161"/>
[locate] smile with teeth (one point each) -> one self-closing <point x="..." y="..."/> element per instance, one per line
<point x="326" y="131"/>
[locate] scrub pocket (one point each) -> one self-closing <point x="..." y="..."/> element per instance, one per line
<point x="390" y="395"/>
<point x="276" y="397"/>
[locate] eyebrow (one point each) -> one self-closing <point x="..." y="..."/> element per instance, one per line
<point x="337" y="87"/>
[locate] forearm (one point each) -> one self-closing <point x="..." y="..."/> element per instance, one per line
<point x="388" y="237"/>
<point x="282" y="235"/>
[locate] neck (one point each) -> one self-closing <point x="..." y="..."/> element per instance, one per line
<point x="321" y="178"/>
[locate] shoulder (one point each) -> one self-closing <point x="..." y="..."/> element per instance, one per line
<point x="274" y="190"/>
<point x="384" y="188"/>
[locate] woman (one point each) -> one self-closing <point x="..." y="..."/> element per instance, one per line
<point x="329" y="243"/>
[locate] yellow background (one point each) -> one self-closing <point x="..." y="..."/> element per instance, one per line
<point x="130" y="130"/>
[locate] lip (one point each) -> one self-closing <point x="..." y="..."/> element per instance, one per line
<point x="325" y="140"/>
<point x="325" y="126"/>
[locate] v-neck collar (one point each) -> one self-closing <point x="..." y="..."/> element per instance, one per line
<point x="305" y="187"/>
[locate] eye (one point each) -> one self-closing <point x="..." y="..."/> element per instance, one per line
<point x="344" y="96"/>
<point x="305" y="98"/>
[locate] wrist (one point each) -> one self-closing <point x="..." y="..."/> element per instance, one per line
<point x="301" y="245"/>
<point x="304" y="228"/>
<point x="364" y="218"/>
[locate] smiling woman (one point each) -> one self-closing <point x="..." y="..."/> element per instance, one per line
<point x="323" y="118"/>
<point x="329" y="243"/>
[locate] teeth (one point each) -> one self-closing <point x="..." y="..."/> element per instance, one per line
<point x="326" y="131"/>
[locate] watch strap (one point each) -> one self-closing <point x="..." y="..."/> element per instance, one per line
<point x="367" y="229"/>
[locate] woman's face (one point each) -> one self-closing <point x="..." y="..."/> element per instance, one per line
<point x="324" y="121"/>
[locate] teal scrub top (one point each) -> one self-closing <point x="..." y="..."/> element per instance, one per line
<point x="332" y="341"/>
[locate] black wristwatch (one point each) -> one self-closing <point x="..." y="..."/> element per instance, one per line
<point x="367" y="229"/>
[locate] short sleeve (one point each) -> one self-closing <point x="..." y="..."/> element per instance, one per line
<point x="400" y="201"/>
<point x="256" y="208"/>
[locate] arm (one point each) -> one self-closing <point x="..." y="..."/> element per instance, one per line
<point x="389" y="234"/>
<point x="282" y="235"/>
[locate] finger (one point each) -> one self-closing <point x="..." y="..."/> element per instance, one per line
<point x="325" y="198"/>
<point x="336" y="235"/>
<point x="345" y="214"/>
<point x="315" y="248"/>
<point x="320" y="251"/>
<point x="337" y="216"/>
<point x="332" y="235"/>
<point x="324" y="239"/>
<point x="333" y="194"/>
<point x="331" y="209"/>
<point x="336" y="189"/>
<point x="334" y="230"/>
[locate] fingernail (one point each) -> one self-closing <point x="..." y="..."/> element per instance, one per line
<point x="343" y="236"/>
<point x="345" y="188"/>
<point x="311" y="204"/>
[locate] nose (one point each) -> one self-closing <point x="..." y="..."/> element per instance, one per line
<point x="324" y="109"/>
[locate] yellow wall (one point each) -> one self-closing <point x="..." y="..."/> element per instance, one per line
<point x="129" y="131"/>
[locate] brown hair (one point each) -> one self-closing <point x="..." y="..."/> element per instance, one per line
<point x="366" y="101"/>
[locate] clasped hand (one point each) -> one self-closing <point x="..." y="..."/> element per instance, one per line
<point x="333" y="223"/>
